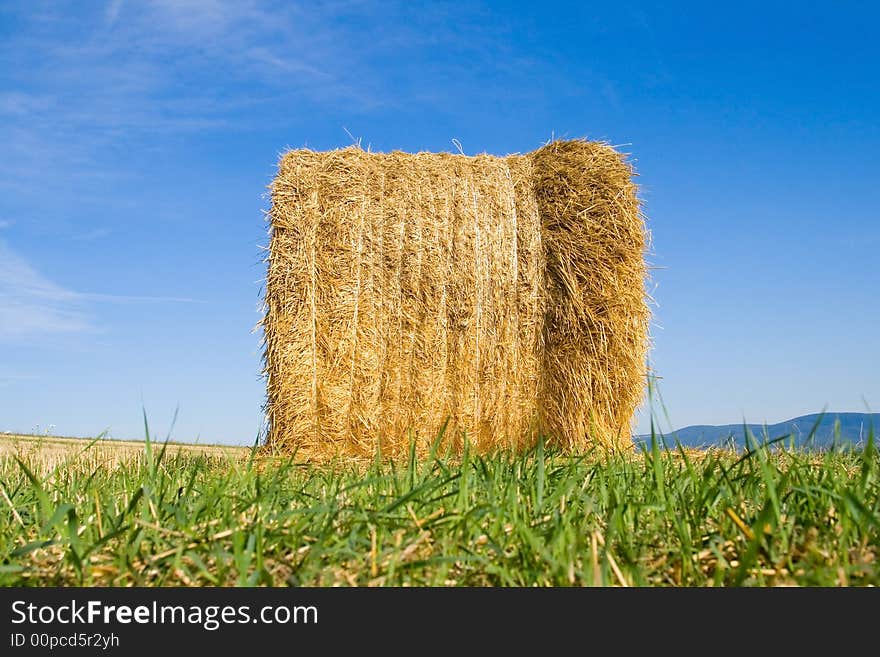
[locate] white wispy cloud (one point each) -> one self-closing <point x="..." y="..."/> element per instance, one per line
<point x="85" y="86"/>
<point x="124" y="298"/>
<point x="32" y="305"/>
<point x="129" y="66"/>
<point x="81" y="85"/>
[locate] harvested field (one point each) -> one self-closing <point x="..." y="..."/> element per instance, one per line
<point x="45" y="453"/>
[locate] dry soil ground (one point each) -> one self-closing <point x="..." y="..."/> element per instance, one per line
<point x="46" y="452"/>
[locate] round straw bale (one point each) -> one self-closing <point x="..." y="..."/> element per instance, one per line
<point x="492" y="298"/>
<point x="596" y="321"/>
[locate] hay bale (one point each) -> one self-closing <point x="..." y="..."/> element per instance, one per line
<point x="500" y="297"/>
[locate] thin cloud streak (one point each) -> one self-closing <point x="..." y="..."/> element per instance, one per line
<point x="33" y="305"/>
<point x="117" y="73"/>
<point x="125" y="298"/>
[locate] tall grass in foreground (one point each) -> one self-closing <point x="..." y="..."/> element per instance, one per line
<point x="767" y="517"/>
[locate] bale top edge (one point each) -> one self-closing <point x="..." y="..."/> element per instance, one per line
<point x="577" y="142"/>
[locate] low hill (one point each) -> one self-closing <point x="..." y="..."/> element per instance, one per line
<point x="817" y="430"/>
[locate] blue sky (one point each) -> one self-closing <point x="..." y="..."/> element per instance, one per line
<point x="137" y="140"/>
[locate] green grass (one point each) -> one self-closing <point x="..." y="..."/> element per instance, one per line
<point x="771" y="517"/>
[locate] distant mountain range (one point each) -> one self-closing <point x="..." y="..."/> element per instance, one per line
<point x="818" y="430"/>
